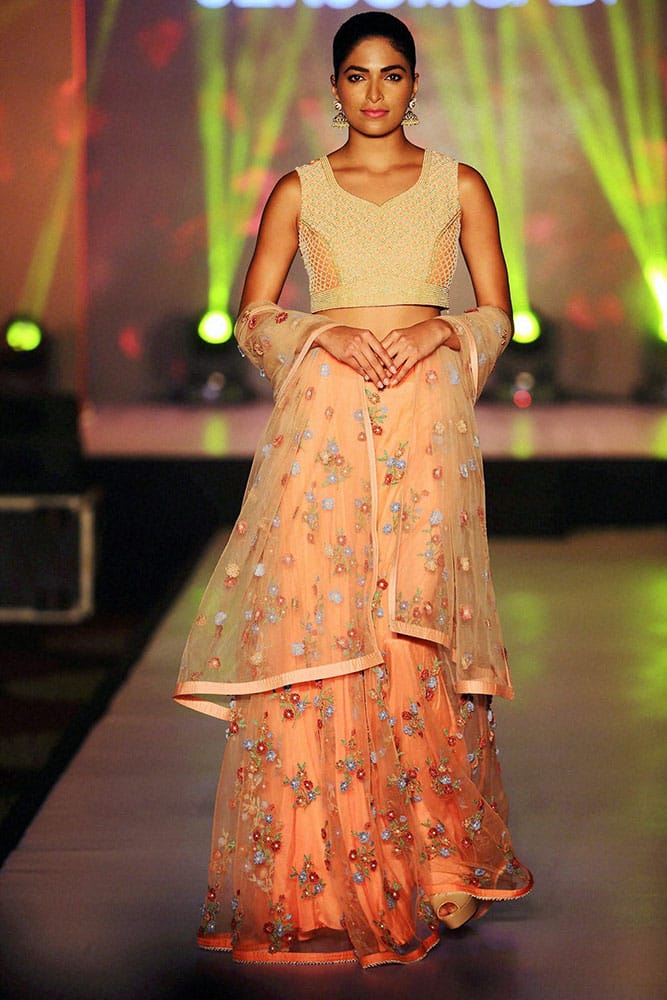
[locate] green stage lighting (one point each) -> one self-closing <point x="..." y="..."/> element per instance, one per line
<point x="655" y="273"/>
<point x="215" y="327"/>
<point x="23" y="335"/>
<point x="526" y="327"/>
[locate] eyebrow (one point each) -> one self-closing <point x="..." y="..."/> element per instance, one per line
<point x="385" y="69"/>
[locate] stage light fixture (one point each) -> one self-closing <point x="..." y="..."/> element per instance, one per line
<point x="215" y="327"/>
<point x="215" y="370"/>
<point x="526" y="327"/>
<point x="23" y="334"/>
<point x="212" y="4"/>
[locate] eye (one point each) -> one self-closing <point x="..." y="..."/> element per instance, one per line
<point x="395" y="77"/>
<point x="354" y="77"/>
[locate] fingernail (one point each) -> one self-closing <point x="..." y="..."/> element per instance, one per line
<point x="393" y="370"/>
<point x="380" y="385"/>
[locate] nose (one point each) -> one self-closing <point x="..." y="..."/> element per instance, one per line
<point x="374" y="91"/>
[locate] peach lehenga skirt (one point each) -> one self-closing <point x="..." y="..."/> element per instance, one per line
<point x="345" y="804"/>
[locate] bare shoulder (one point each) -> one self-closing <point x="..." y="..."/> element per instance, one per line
<point x="472" y="186"/>
<point x="286" y="195"/>
<point x="282" y="207"/>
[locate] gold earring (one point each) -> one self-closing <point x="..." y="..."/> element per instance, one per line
<point x="410" y="118"/>
<point x="339" y="120"/>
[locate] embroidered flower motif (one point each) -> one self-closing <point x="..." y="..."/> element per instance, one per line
<point x="363" y="857"/>
<point x="406" y="780"/>
<point x="431" y="376"/>
<point x="309" y="880"/>
<point x="281" y="317"/>
<point x="351" y="765"/>
<point x="305" y="792"/>
<point x="438" y="843"/>
<point x="280" y="928"/>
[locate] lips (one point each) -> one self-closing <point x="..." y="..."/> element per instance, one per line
<point x="375" y="112"/>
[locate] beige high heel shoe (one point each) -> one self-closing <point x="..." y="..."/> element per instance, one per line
<point x="465" y="908"/>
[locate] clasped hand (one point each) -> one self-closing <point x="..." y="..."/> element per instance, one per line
<point x="387" y="362"/>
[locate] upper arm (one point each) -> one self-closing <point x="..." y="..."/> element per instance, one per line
<point x="480" y="241"/>
<point x="277" y="243"/>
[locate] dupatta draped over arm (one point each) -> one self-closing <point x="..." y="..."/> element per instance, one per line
<point x="292" y="596"/>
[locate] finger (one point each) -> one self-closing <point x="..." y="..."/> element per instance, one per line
<point x="383" y="351"/>
<point x="375" y="368"/>
<point x="373" y="358"/>
<point x="405" y="362"/>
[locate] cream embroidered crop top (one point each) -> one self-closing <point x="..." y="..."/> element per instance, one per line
<point x="402" y="252"/>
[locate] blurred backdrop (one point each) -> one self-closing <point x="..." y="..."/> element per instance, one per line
<point x="139" y="140"/>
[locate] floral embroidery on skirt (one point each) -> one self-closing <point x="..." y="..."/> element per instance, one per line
<point x="345" y="803"/>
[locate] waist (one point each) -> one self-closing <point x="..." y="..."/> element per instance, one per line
<point x="381" y="320"/>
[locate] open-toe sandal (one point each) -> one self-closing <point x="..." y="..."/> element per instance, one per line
<point x="464" y="908"/>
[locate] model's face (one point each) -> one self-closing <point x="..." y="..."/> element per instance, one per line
<point x="374" y="86"/>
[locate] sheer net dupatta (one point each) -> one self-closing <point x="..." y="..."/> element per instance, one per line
<point x="218" y="659"/>
<point x="441" y="588"/>
<point x="484" y="333"/>
<point x="276" y="340"/>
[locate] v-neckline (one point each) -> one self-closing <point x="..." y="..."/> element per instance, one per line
<point x="328" y="170"/>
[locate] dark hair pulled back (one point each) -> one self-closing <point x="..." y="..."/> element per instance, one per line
<point x="373" y="24"/>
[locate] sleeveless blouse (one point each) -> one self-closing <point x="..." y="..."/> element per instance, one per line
<point x="401" y="252"/>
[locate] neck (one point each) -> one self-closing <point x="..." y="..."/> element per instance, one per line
<point x="376" y="153"/>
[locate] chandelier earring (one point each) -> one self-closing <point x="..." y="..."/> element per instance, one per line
<point x="339" y="120"/>
<point x="410" y="118"/>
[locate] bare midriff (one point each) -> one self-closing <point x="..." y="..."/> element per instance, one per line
<point x="381" y="320"/>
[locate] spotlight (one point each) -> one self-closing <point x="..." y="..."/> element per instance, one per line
<point x="527" y="327"/>
<point x="25" y="352"/>
<point x="212" y="4"/>
<point x="215" y="327"/>
<point x="524" y="373"/>
<point x="655" y="273"/>
<point x="216" y="371"/>
<point x="23" y="334"/>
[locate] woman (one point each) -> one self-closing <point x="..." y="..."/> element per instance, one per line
<point x="349" y="633"/>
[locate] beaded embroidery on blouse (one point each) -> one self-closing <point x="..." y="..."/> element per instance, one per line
<point x="358" y="253"/>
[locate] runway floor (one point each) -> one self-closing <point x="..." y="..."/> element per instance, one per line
<point x="101" y="898"/>
<point x="546" y="430"/>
